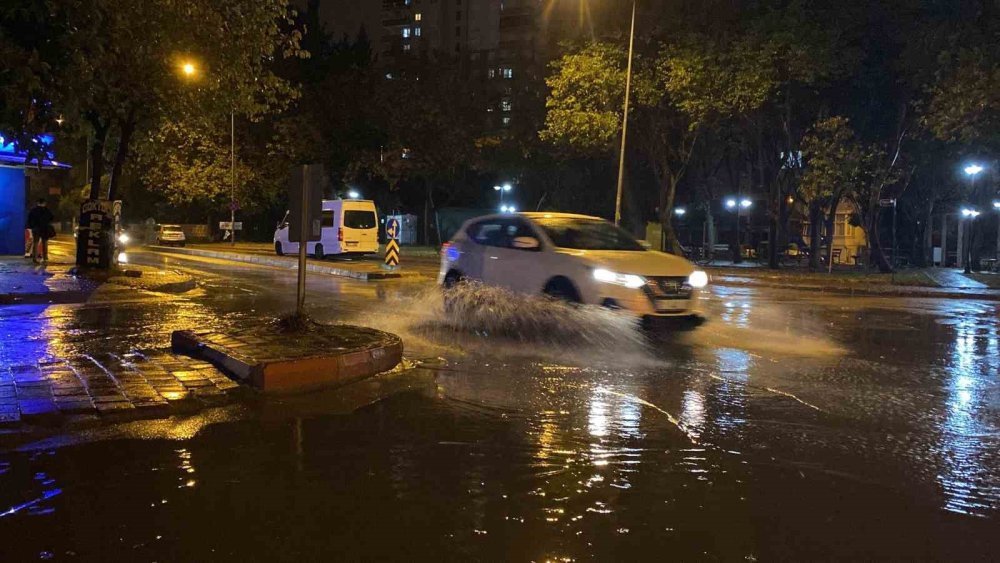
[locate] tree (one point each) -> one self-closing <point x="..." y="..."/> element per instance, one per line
<point x="678" y="95"/>
<point x="123" y="78"/>
<point x="833" y="160"/>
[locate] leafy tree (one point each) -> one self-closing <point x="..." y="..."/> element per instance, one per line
<point x="124" y="79"/>
<point x="678" y="95"/>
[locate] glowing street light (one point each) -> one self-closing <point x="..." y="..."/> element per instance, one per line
<point x="680" y="211"/>
<point x="973" y="169"/>
<point x="189" y="69"/>
<point x="745" y="203"/>
<point x="353" y="194"/>
<point x="971" y="213"/>
<point x="730" y="203"/>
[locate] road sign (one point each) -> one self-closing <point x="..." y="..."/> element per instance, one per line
<point x="392" y="253"/>
<point x="887" y="203"/>
<point x="307" y="180"/>
<point x="229" y="226"/>
<point x="392" y="228"/>
<point x="392" y="245"/>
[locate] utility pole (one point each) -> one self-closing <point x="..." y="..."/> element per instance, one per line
<point x="232" y="177"/>
<point x="621" y="156"/>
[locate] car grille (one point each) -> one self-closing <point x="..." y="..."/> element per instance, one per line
<point x="668" y="287"/>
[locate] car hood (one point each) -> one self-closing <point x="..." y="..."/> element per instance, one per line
<point x="642" y="263"/>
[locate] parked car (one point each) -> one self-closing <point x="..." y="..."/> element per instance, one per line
<point x="575" y="258"/>
<point x="170" y="235"/>
<point x="350" y="226"/>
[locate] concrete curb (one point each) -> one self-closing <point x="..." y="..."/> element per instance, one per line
<point x="279" y="262"/>
<point x="298" y="373"/>
<point x="895" y="291"/>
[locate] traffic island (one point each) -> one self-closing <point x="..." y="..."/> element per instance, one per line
<point x="146" y="278"/>
<point x="293" y="354"/>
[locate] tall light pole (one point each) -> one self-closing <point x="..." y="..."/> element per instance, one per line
<point x="628" y="89"/>
<point x="996" y="206"/>
<point x="502" y="190"/>
<point x="190" y="71"/>
<point x="972" y="170"/>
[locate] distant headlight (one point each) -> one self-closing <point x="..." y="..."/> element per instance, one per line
<point x="627" y="280"/>
<point x="122" y="258"/>
<point x="123" y="238"/>
<point x="698" y="279"/>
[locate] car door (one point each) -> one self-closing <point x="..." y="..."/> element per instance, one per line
<point x="517" y="269"/>
<point x="481" y="237"/>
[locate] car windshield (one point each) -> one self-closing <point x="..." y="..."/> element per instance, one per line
<point x="359" y="219"/>
<point x="171" y="229"/>
<point x="587" y="234"/>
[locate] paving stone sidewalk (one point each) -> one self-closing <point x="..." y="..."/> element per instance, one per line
<point x="137" y="384"/>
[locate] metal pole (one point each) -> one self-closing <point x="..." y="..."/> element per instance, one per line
<point x="232" y="178"/>
<point x="621" y="156"/>
<point x="303" y="240"/>
<point x="895" y="261"/>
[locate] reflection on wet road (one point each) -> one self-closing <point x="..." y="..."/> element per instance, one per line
<point x="792" y="425"/>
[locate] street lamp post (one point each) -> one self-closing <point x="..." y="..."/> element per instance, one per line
<point x="972" y="170"/>
<point x="996" y="206"/>
<point x="628" y="88"/>
<point x="738" y="205"/>
<point x="191" y="71"/>
<point x="970" y="215"/>
<point x="502" y="190"/>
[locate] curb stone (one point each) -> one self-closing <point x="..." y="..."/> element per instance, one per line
<point x="277" y="262"/>
<point x="294" y="369"/>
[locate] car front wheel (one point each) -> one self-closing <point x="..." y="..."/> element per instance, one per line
<point x="278" y="250"/>
<point x="318" y="253"/>
<point x="562" y="289"/>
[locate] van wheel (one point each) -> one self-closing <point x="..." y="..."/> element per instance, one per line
<point x="562" y="289"/>
<point x="278" y="250"/>
<point x="318" y="253"/>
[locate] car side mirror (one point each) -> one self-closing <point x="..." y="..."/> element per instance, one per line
<point x="525" y="243"/>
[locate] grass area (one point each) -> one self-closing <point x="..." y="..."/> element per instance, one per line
<point x="991" y="280"/>
<point x="839" y="277"/>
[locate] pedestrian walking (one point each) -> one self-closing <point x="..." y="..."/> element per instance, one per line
<point x="29" y="240"/>
<point x="40" y="222"/>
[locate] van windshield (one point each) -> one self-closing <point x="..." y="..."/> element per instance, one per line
<point x="359" y="219"/>
<point x="171" y="229"/>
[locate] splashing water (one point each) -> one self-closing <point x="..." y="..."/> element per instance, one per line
<point x="483" y="319"/>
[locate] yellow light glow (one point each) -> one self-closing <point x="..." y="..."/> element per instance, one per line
<point x="189" y="69"/>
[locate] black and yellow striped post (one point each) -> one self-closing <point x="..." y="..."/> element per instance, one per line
<point x="392" y="244"/>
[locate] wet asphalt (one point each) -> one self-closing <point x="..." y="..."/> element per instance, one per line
<point x="792" y="425"/>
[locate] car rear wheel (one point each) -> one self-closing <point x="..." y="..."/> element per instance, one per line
<point x="278" y="250"/>
<point x="318" y="253"/>
<point x="562" y="289"/>
<point x="452" y="279"/>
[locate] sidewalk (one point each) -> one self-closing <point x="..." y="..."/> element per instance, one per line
<point x="364" y="269"/>
<point x="24" y="282"/>
<point x="925" y="282"/>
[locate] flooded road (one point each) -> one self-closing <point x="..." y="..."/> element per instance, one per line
<point x="791" y="425"/>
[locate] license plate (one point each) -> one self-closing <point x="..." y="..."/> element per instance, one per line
<point x="670" y="305"/>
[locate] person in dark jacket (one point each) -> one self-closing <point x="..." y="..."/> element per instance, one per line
<point x="40" y="223"/>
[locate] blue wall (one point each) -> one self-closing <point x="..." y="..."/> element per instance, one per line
<point x="12" y="210"/>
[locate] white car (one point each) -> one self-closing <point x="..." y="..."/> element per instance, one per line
<point x="350" y="226"/>
<point x="573" y="257"/>
<point x="170" y="235"/>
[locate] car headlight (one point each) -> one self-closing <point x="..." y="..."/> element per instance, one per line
<point x="627" y="280"/>
<point x="698" y="279"/>
<point x="123" y="238"/>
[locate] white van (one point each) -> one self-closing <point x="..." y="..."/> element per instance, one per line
<point x="350" y="226"/>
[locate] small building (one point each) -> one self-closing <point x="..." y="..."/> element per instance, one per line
<point x="849" y="239"/>
<point x="16" y="178"/>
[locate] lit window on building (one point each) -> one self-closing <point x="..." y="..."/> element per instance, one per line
<point x="505" y="121"/>
<point x="505" y="104"/>
<point x="416" y="31"/>
<point x="406" y="32"/>
<point x="418" y="16"/>
<point x="507" y="72"/>
<point x="406" y="46"/>
<point x="492" y="73"/>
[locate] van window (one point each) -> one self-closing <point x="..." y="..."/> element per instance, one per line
<point x="359" y="219"/>
<point x="328" y="219"/>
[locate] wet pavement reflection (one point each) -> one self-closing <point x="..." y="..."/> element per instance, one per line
<point x="792" y="425"/>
